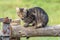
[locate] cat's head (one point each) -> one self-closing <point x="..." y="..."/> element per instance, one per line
<point x="21" y="12"/>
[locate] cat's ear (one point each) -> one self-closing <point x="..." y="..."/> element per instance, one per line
<point x="25" y="10"/>
<point x="17" y="9"/>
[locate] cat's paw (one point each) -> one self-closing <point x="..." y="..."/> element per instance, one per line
<point x="26" y="25"/>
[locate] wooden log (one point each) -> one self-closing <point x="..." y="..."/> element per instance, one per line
<point x="19" y="30"/>
<point x="1" y="19"/>
<point x="6" y="27"/>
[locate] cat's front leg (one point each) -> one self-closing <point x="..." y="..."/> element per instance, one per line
<point x="33" y="23"/>
<point x="26" y="25"/>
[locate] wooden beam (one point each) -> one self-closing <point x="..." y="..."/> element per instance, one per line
<point x="19" y="30"/>
<point x="1" y="19"/>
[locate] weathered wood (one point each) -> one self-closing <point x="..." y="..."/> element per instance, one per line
<point x="1" y="19"/>
<point x="15" y="38"/>
<point x="6" y="31"/>
<point x="30" y="31"/>
<point x="18" y="30"/>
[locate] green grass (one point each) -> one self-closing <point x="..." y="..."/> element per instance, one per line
<point x="52" y="7"/>
<point x="42" y="38"/>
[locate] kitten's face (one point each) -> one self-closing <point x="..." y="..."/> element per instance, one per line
<point x="22" y="12"/>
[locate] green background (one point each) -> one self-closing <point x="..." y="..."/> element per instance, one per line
<point x="52" y="7"/>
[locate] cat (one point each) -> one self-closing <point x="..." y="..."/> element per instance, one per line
<point x="35" y="16"/>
